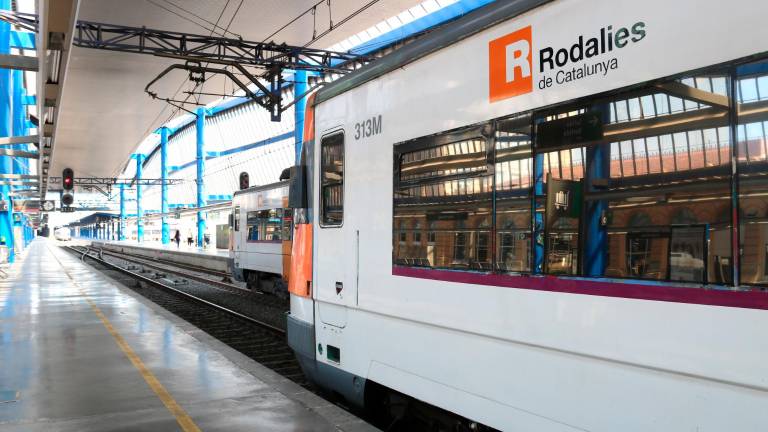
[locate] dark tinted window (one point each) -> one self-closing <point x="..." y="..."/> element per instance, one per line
<point x="332" y="180"/>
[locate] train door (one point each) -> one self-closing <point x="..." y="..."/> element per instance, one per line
<point x="237" y="231"/>
<point x="335" y="282"/>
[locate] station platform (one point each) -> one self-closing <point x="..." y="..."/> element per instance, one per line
<point x="79" y="352"/>
<point x="207" y="258"/>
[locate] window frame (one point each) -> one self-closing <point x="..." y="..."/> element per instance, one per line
<point x="321" y="210"/>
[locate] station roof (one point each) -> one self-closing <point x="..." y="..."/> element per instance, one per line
<point x="93" y="218"/>
<point x="103" y="113"/>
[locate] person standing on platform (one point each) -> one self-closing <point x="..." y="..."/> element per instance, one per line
<point x="177" y="238"/>
<point x="190" y="239"/>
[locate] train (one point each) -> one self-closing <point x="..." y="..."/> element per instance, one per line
<point x="62" y="234"/>
<point x="261" y="230"/>
<point x="547" y="215"/>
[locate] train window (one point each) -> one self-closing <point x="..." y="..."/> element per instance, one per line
<point x="635" y="184"/>
<point x="662" y="193"/>
<point x="752" y="157"/>
<point x="265" y="225"/>
<point x="237" y="218"/>
<point x="444" y="183"/>
<point x="332" y="180"/>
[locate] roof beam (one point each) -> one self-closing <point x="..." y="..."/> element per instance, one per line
<point x="18" y="62"/>
<point x="681" y="90"/>
<point x="18" y="182"/>
<point x="29" y="139"/>
<point x="19" y="153"/>
<point x="18" y="176"/>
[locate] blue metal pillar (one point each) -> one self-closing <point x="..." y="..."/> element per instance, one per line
<point x="200" y="126"/>
<point x="6" y="162"/>
<point x="121" y="227"/>
<point x="166" y="231"/>
<point x="538" y="216"/>
<point x="596" y="235"/>
<point x="139" y="211"/>
<point x="20" y="165"/>
<point x="299" y="88"/>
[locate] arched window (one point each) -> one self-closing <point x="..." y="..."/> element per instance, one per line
<point x="684" y="216"/>
<point x="640" y="219"/>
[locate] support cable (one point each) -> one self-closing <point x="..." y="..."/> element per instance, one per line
<point x="342" y="22"/>
<point x="312" y="9"/>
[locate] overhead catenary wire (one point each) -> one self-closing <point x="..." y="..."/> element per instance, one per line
<point x="201" y="85"/>
<point x="298" y="17"/>
<point x="225" y="30"/>
<point x="173" y="12"/>
<point x="342" y="22"/>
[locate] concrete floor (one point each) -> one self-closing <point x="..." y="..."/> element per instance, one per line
<point x="62" y="369"/>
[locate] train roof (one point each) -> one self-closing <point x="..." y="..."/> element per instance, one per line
<point x="470" y="24"/>
<point x="283" y="183"/>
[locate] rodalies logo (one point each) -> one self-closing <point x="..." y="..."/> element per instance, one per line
<point x="511" y="66"/>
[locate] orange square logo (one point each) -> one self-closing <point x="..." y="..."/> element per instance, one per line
<point x="510" y="66"/>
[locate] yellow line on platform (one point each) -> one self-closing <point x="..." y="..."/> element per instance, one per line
<point x="184" y="420"/>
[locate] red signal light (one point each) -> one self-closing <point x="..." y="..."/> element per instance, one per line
<point x="68" y="179"/>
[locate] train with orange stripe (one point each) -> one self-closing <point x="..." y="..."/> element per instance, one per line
<point x="261" y="232"/>
<point x="544" y="216"/>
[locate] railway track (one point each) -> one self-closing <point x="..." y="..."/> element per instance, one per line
<point x="211" y="277"/>
<point x="215" y="273"/>
<point x="242" y="325"/>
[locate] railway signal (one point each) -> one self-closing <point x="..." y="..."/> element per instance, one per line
<point x="68" y="184"/>
<point x="244" y="180"/>
<point x="68" y="179"/>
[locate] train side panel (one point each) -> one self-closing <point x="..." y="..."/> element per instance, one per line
<point x="511" y="356"/>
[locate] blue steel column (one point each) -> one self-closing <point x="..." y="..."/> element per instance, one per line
<point x="166" y="231"/>
<point x="299" y="88"/>
<point x="121" y="227"/>
<point x="20" y="165"/>
<point x="200" y="126"/>
<point x="6" y="163"/>
<point x="139" y="211"/>
<point x="596" y="236"/>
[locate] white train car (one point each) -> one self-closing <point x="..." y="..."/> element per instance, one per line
<point x="261" y="234"/>
<point x="62" y="234"/>
<point x="492" y="220"/>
